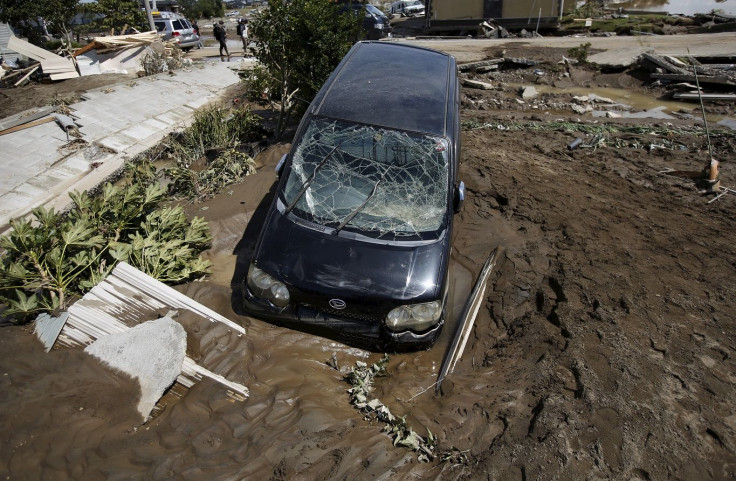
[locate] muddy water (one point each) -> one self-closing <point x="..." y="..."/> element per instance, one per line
<point x="295" y="396"/>
<point x="297" y="422"/>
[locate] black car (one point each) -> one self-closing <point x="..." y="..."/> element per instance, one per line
<point x="356" y="242"/>
<point x="376" y="24"/>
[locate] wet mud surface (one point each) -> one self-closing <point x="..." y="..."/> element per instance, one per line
<point x="604" y="348"/>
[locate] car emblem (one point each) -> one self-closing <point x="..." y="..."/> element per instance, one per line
<point x="337" y="304"/>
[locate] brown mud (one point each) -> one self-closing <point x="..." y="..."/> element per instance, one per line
<point x="604" y="349"/>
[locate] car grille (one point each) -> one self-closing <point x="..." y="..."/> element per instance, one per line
<point x="356" y="316"/>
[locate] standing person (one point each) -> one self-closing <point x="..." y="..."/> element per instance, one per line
<point x="220" y="35"/>
<point x="244" y="35"/>
<point x="195" y="27"/>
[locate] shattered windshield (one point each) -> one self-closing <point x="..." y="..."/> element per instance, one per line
<point x="369" y="179"/>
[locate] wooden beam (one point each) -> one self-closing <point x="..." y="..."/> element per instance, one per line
<point x="27" y="125"/>
<point x="25" y="77"/>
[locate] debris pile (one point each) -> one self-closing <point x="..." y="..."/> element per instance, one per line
<point x="685" y="78"/>
<point x="140" y="53"/>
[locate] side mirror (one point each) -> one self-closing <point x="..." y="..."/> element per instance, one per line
<point x="459" y="196"/>
<point x="280" y="165"/>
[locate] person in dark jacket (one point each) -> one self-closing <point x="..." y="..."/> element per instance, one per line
<point x="220" y="35"/>
<point x="243" y="34"/>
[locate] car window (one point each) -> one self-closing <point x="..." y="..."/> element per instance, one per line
<point x="160" y="26"/>
<point x="373" y="10"/>
<point x="176" y="25"/>
<point x="392" y="183"/>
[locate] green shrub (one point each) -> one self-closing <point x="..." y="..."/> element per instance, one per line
<point x="53" y="259"/>
<point x="580" y="53"/>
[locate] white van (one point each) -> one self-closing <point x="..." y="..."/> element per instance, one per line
<point x="408" y="8"/>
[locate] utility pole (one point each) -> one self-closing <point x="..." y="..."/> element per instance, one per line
<point x="151" y="25"/>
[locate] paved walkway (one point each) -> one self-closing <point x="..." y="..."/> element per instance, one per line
<point x="117" y="122"/>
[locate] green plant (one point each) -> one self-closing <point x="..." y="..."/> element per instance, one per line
<point x="54" y="258"/>
<point x="580" y="53"/>
<point x="116" y="15"/>
<point x="300" y="43"/>
<point x="361" y="379"/>
<point x="215" y="128"/>
<point x="229" y="167"/>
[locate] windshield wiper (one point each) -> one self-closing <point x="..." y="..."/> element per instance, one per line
<point x="361" y="206"/>
<point x="309" y="181"/>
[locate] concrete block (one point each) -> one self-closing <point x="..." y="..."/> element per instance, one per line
<point x="152" y="353"/>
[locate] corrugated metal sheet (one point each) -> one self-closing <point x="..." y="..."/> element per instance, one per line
<point x="125" y="299"/>
<point x="5" y="34"/>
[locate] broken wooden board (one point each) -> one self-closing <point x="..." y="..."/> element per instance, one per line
<point x="124" y="299"/>
<point x="51" y="63"/>
<point x="27" y="125"/>
<point x="483" y="63"/>
<point x="467" y="318"/>
<point x="707" y="79"/>
<point x="662" y="62"/>
<point x="705" y="97"/>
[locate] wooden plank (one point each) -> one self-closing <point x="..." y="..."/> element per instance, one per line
<point x="90" y="46"/>
<point x="126" y="298"/>
<point x="467" y="319"/>
<point x="27" y="125"/>
<point x="661" y="62"/>
<point x="483" y="63"/>
<point x="25" y="77"/>
<point x="28" y="49"/>
<point x="63" y="76"/>
<point x="710" y="97"/>
<point x="26" y="116"/>
<point x="720" y="79"/>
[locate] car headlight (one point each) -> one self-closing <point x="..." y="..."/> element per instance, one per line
<point x="417" y="317"/>
<point x="266" y="287"/>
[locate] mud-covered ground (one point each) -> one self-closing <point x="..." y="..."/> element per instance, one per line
<point x="603" y="350"/>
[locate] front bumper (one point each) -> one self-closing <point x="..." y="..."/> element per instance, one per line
<point x="373" y="336"/>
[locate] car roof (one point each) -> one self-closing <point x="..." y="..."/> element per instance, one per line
<point x="392" y="85"/>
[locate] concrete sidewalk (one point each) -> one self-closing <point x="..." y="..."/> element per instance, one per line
<point x="117" y="123"/>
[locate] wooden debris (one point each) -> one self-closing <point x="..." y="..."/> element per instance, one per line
<point x="26" y="116"/>
<point x="55" y="66"/>
<point x="27" y="125"/>
<point x="25" y="77"/>
<point x="120" y="302"/>
<point x="710" y="79"/>
<point x="476" y="65"/>
<point x="467" y="319"/>
<point x="664" y="63"/>
<point x="475" y="84"/>
<point x="709" y="97"/>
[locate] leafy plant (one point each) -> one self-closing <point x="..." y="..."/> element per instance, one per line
<point x="230" y="167"/>
<point x="116" y="15"/>
<point x="215" y="128"/>
<point x="361" y="378"/>
<point x="299" y="43"/>
<point x="54" y="258"/>
<point x="580" y="53"/>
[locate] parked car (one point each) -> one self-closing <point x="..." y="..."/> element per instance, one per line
<point x="407" y="8"/>
<point x="376" y="24"/>
<point x="175" y="26"/>
<point x="356" y="243"/>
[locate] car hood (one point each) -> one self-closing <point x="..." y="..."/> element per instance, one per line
<point x="311" y="260"/>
